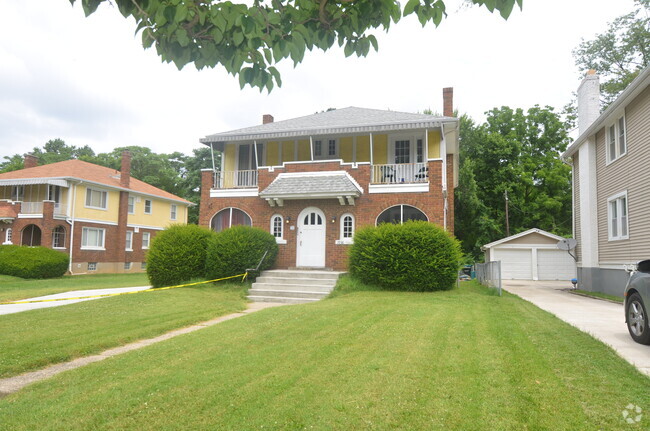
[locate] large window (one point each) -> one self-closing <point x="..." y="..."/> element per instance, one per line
<point x="400" y="214"/>
<point x="92" y="238"/>
<point x="58" y="237"/>
<point x="618" y="220"/>
<point x="228" y="217"/>
<point x="616" y="140"/>
<point x="96" y="198"/>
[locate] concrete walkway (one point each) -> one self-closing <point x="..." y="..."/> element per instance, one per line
<point x="14" y="384"/>
<point x="603" y="320"/>
<point x="17" y="308"/>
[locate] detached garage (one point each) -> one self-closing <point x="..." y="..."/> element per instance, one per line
<point x="531" y="255"/>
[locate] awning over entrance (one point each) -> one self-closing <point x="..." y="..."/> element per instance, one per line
<point x="34" y="181"/>
<point x="312" y="185"/>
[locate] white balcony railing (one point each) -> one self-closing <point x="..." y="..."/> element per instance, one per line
<point x="235" y="179"/>
<point x="31" y="208"/>
<point x="60" y="209"/>
<point x="400" y="173"/>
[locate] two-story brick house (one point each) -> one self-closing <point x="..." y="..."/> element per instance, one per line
<point x="312" y="181"/>
<point x="103" y="218"/>
<point x="611" y="203"/>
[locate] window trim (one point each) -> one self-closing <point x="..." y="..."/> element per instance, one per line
<point x="130" y="208"/>
<point x="413" y="147"/>
<point x="401" y="212"/>
<point x="128" y="244"/>
<point x="173" y="211"/>
<point x="18" y="193"/>
<point x="324" y="145"/>
<point x="617" y="143"/>
<point x="619" y="222"/>
<point x="98" y="190"/>
<point x="87" y="247"/>
<point x="9" y="234"/>
<point x="230" y="217"/>
<point x="150" y="206"/>
<point x="148" y="234"/>
<point x="342" y="239"/>
<point x="278" y="239"/>
<point x="63" y="241"/>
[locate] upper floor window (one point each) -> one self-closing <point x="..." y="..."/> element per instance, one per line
<point x="92" y="238"/>
<point x="147" y="206"/>
<point x="617" y="216"/>
<point x="131" y="205"/>
<point x="96" y="198"/>
<point x="172" y="212"/>
<point x="616" y="140"/>
<point x="325" y="148"/>
<point x="58" y="237"/>
<point x="401" y="213"/>
<point x="228" y="217"/>
<point x="18" y="193"/>
<point x="406" y="149"/>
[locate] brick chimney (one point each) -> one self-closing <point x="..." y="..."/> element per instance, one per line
<point x="125" y="170"/>
<point x="30" y="161"/>
<point x="267" y="118"/>
<point x="588" y="101"/>
<point x="448" y="101"/>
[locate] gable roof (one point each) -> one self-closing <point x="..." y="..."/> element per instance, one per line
<point x="87" y="172"/>
<point x="639" y="84"/>
<point x="345" y="120"/>
<point x="520" y="234"/>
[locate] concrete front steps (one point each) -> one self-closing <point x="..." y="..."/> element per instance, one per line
<point x="293" y="286"/>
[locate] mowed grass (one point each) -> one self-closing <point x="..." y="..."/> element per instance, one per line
<point x="14" y="288"/>
<point x="457" y="360"/>
<point x="33" y="339"/>
<point x="600" y="295"/>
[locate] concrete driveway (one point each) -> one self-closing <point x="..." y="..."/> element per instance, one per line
<point x="602" y="319"/>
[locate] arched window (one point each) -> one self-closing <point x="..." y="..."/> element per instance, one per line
<point x="31" y="236"/>
<point x="347" y="229"/>
<point x="228" y="217"/>
<point x="9" y="235"/>
<point x="400" y="214"/>
<point x="58" y="237"/>
<point x="277" y="228"/>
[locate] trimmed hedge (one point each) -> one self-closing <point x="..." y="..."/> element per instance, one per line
<point x="32" y="262"/>
<point x="234" y="250"/>
<point x="177" y="254"/>
<point x="414" y="256"/>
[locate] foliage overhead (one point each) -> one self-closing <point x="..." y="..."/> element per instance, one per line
<point x="620" y="53"/>
<point x="517" y="152"/>
<point x="249" y="38"/>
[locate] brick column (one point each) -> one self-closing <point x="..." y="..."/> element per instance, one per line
<point x="119" y="243"/>
<point x="47" y="224"/>
<point x="206" y="185"/>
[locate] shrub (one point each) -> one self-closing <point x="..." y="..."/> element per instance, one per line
<point x="177" y="254"/>
<point x="234" y="250"/>
<point x="32" y="262"/>
<point x="415" y="256"/>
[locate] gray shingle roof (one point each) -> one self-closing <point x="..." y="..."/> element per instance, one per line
<point x="346" y="120"/>
<point x="331" y="185"/>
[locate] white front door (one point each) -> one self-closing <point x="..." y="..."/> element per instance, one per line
<point x="311" y="238"/>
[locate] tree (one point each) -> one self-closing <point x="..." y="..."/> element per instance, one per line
<point x="248" y="38"/>
<point x="620" y="53"/>
<point x="515" y="152"/>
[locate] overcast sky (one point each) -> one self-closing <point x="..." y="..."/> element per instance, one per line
<point x="89" y="82"/>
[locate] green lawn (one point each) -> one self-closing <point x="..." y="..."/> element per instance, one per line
<point x="600" y="295"/>
<point x="33" y="339"/>
<point x="367" y="360"/>
<point x="14" y="288"/>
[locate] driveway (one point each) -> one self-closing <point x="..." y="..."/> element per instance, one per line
<point x="17" y="308"/>
<point x="603" y="320"/>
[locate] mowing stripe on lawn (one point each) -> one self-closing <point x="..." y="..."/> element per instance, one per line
<point x="155" y="289"/>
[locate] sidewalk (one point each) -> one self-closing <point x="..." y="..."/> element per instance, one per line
<point x="602" y="319"/>
<point x="17" y="308"/>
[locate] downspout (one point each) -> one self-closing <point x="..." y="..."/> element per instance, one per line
<point x="72" y="212"/>
<point x="443" y="156"/>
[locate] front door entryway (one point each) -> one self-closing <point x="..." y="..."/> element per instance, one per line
<point x="310" y="249"/>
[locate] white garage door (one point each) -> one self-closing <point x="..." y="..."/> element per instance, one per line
<point x="555" y="265"/>
<point x="516" y="264"/>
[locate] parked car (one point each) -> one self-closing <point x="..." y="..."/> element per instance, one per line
<point x="637" y="299"/>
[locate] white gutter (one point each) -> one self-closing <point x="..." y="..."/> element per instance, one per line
<point x="443" y="156"/>
<point x="72" y="212"/>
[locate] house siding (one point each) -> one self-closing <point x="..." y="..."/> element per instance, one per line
<point x="628" y="173"/>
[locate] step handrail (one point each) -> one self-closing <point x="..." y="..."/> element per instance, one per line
<point x="255" y="271"/>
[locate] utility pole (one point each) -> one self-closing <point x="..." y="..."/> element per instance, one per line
<point x="507" y="218"/>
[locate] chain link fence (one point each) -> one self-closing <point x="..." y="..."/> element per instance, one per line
<point x="489" y="274"/>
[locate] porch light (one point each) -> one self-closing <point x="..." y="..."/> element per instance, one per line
<point x="288" y="219"/>
<point x="333" y="219"/>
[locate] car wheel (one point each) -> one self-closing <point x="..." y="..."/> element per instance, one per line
<point x="637" y="319"/>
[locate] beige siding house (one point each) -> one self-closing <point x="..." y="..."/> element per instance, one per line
<point x="611" y="184"/>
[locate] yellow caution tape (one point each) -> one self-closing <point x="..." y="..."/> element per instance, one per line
<point x="155" y="289"/>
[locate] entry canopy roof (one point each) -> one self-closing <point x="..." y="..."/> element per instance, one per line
<point x="312" y="185"/>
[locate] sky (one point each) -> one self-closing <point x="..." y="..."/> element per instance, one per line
<point x="89" y="81"/>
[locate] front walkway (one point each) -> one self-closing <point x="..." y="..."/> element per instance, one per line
<point x="17" y="308"/>
<point x="603" y="320"/>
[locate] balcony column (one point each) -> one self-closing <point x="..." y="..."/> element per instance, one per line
<point x="371" y="157"/>
<point x="311" y="147"/>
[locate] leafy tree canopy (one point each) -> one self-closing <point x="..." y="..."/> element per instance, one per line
<point x="249" y="38"/>
<point x="620" y="53"/>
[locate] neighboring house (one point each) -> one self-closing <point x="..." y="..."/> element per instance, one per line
<point x="531" y="255"/>
<point x="312" y="181"/>
<point x="103" y="218"/>
<point x="611" y="184"/>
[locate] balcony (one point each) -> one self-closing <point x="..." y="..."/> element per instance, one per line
<point x="36" y="208"/>
<point x="235" y="179"/>
<point x="400" y="173"/>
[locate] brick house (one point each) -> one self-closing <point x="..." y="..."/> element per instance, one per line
<point x="311" y="181"/>
<point x="103" y="218"/>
